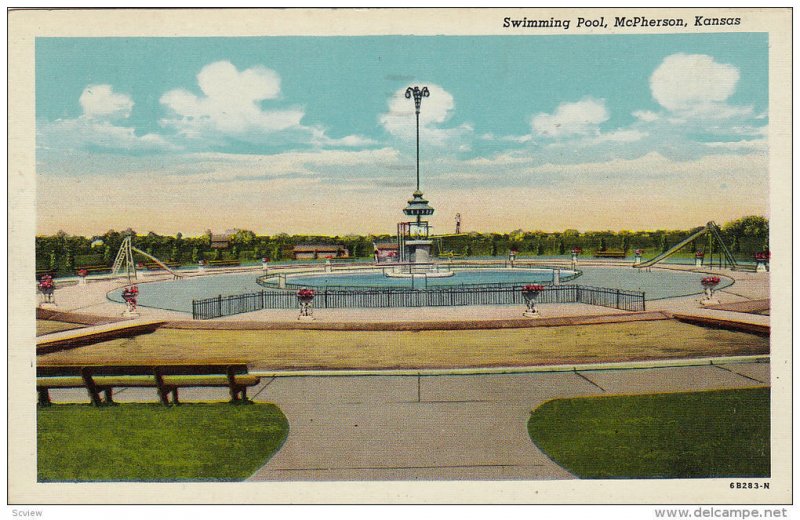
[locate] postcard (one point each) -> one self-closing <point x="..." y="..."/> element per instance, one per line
<point x="400" y="256"/>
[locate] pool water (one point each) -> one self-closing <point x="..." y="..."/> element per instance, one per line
<point x="460" y="277"/>
<point x="657" y="284"/>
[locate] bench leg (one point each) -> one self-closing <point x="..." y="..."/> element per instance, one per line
<point x="44" y="397"/>
<point x="163" y="395"/>
<point x="94" y="395"/>
<point x="109" y="395"/>
<point x="175" y="396"/>
<point x="239" y="395"/>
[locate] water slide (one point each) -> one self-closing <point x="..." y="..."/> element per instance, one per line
<point x="712" y="228"/>
<point x="157" y="261"/>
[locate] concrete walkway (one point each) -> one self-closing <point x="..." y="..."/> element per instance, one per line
<point x="448" y="427"/>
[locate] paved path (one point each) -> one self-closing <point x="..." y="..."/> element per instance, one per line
<point x="448" y="427"/>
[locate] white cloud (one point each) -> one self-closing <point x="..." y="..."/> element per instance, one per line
<point x="330" y="164"/>
<point x="654" y="165"/>
<point x="230" y="103"/>
<point x="436" y="110"/>
<point x="754" y="144"/>
<point x="245" y="193"/>
<point x="231" y="106"/>
<point x="102" y="102"/>
<point x="645" y="115"/>
<point x="97" y="127"/>
<point x="320" y="139"/>
<point x="85" y="132"/>
<point x="687" y="82"/>
<point x="621" y="136"/>
<point x="578" y="118"/>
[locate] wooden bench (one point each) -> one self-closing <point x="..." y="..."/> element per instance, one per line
<point x="609" y="253"/>
<point x="93" y="268"/>
<point x="224" y="263"/>
<point x="165" y="378"/>
<point x="152" y="266"/>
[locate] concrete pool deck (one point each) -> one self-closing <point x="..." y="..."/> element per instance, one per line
<point x="89" y="304"/>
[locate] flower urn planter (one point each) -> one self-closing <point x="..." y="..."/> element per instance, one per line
<point x="305" y="300"/>
<point x="698" y="258"/>
<point x="265" y="264"/>
<point x="575" y="252"/>
<point x="709" y="283"/>
<point x="82" y="274"/>
<point x="530" y="293"/>
<point x="328" y="267"/>
<point x="762" y="262"/>
<point x="637" y="257"/>
<point x="130" y="295"/>
<point x="47" y="288"/>
<point x="201" y="266"/>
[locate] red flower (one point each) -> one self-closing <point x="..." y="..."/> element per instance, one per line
<point x="83" y="273"/>
<point x="762" y="255"/>
<point x="699" y="254"/>
<point x="639" y="252"/>
<point x="130" y="293"/>
<point x="710" y="281"/>
<point x="305" y="294"/>
<point x="535" y="288"/>
<point x="46" y="283"/>
<point x="577" y="250"/>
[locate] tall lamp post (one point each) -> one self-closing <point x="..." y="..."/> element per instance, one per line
<point x="418" y="206"/>
<point x="418" y="94"/>
<point x="418" y="246"/>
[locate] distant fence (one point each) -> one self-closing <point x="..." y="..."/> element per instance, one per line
<point x="403" y="297"/>
<point x="417" y="281"/>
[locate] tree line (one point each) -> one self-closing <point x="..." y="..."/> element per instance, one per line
<point x="64" y="253"/>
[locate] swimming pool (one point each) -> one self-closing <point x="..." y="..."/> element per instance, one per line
<point x="657" y="284"/>
<point x="460" y="277"/>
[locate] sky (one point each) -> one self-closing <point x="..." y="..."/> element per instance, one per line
<point x="314" y="135"/>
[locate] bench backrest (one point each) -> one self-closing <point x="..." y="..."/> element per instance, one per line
<point x="228" y="369"/>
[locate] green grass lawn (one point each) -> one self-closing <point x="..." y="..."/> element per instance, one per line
<point x="151" y="442"/>
<point x="693" y="435"/>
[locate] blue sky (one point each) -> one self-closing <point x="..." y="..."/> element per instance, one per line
<point x="311" y="134"/>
